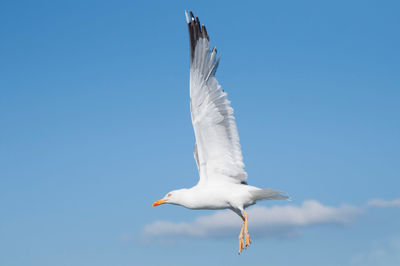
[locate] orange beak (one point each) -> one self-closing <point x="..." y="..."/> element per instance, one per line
<point x="159" y="202"/>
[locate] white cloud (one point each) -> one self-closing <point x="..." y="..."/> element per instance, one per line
<point x="277" y="221"/>
<point x="384" y="203"/>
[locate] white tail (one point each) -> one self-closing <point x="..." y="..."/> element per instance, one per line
<point x="269" y="194"/>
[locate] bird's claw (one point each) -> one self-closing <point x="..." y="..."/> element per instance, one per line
<point x="247" y="240"/>
<point x="241" y="244"/>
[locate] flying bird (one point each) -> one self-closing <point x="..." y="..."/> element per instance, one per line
<point x="217" y="151"/>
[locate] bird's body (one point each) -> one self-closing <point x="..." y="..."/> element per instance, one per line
<point x="217" y="150"/>
<point x="217" y="196"/>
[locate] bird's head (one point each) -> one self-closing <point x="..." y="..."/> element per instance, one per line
<point x="172" y="197"/>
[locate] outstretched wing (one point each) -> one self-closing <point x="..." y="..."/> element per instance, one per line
<point x="217" y="148"/>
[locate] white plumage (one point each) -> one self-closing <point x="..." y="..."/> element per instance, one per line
<point x="217" y="151"/>
<point x="217" y="140"/>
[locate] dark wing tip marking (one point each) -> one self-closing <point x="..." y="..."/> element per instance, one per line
<point x="204" y="32"/>
<point x="196" y="31"/>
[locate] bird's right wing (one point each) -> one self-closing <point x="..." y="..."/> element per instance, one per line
<point x="217" y="150"/>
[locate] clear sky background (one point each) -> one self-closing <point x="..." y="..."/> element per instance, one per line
<point x="95" y="126"/>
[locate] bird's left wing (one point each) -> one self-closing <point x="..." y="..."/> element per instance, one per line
<point x="217" y="150"/>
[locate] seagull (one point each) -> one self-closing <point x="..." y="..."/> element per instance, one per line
<point x="217" y="151"/>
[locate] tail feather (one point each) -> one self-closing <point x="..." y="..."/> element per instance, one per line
<point x="269" y="194"/>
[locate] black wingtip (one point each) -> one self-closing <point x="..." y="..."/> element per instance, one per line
<point x="196" y="31"/>
<point x="204" y="31"/>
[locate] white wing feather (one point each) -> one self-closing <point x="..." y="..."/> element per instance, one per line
<point x="217" y="148"/>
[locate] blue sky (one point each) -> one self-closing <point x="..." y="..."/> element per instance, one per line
<point x="95" y="126"/>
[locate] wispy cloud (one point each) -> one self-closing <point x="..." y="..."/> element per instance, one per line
<point x="276" y="221"/>
<point x="385" y="252"/>
<point x="384" y="203"/>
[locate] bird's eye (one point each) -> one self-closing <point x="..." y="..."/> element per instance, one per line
<point x="169" y="195"/>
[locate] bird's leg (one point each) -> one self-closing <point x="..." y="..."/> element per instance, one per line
<point x="241" y="243"/>
<point x="246" y="232"/>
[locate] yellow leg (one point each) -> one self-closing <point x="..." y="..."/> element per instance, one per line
<point x="246" y="232"/>
<point x="241" y="243"/>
